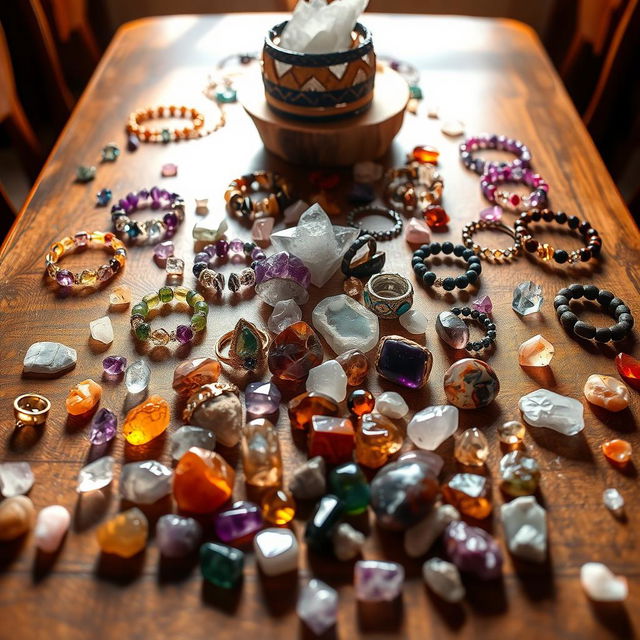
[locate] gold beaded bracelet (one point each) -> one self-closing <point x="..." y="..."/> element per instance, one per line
<point x="486" y="252"/>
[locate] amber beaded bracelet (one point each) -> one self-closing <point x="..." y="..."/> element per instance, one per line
<point x="414" y="185"/>
<point x="79" y="241"/>
<point x="592" y="239"/>
<point x="486" y="252"/>
<point x="240" y="202"/>
<point x="184" y="333"/>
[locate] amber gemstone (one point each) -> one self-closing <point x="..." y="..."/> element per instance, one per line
<point x="146" y="421"/>
<point x="360" y="402"/>
<point x="355" y="365"/>
<point x="294" y="352"/>
<point x="617" y="450"/>
<point x="424" y="153"/>
<point x="311" y="403"/>
<point x="125" y="534"/>
<point x="470" y="494"/>
<point x="83" y="397"/>
<point x="190" y="375"/>
<point x="546" y="251"/>
<point x="629" y="369"/>
<point x="435" y="216"/>
<point x="202" y="481"/>
<point x="278" y="507"/>
<point x="353" y="287"/>
<point x="377" y="438"/>
<point x="332" y="438"/>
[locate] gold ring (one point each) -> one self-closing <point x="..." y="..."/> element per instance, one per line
<point x="31" y="409"/>
<point x="204" y="393"/>
<point x="247" y="349"/>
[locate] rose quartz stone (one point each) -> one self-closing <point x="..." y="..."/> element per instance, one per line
<point x="51" y="526"/>
<point x="261" y="230"/>
<point x="606" y="392"/>
<point x="416" y="232"/>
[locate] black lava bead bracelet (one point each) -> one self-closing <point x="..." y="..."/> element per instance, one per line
<point x="485" y="322"/>
<point x="429" y="279"/>
<point x="610" y="304"/>
<point x="388" y="234"/>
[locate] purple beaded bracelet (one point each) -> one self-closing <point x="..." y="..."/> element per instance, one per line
<point x="148" y="231"/>
<point x="488" y="141"/>
<point x="512" y="201"/>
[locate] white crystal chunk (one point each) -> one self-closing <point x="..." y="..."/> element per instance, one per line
<point x="330" y="379"/>
<point x="544" y="408"/>
<point x="613" y="500"/>
<point x="96" y="475"/>
<point x="284" y="314"/>
<point x="525" y="527"/>
<point x="527" y="298"/>
<point x="419" y="538"/>
<point x="276" y="551"/>
<point x="188" y="436"/>
<point x="443" y="579"/>
<point x="429" y="428"/>
<point x="49" y="359"/>
<point x="102" y="330"/>
<point x="145" y="482"/>
<point x="347" y="542"/>
<point x="414" y="321"/>
<point x="16" y="478"/>
<point x="392" y="405"/>
<point x="137" y="376"/>
<point x="318" y="606"/>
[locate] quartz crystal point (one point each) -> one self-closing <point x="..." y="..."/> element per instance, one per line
<point x="419" y="538"/>
<point x="137" y="376"/>
<point x="443" y="579"/>
<point x="452" y="329"/>
<point x="601" y="585"/>
<point x="392" y="405"/>
<point x="276" y="551"/>
<point x="177" y="536"/>
<point x="429" y="428"/>
<point x="471" y="448"/>
<point x="318" y="606"/>
<point x="104" y="427"/>
<point x="187" y="436"/>
<point x="416" y="232"/>
<point x="525" y="527"/>
<point x="308" y="480"/>
<point x="48" y="359"/>
<point x="96" y="475"/>
<point x="535" y="352"/>
<point x="483" y="304"/>
<point x="17" y="516"/>
<point x="347" y="542"/>
<point x="414" y="321"/>
<point x="606" y="392"/>
<point x="145" y="482"/>
<point x="16" y="478"/>
<point x="284" y="314"/>
<point x="377" y="581"/>
<point x="51" y="526"/>
<point x="282" y="276"/>
<point x="544" y="408"/>
<point x="102" y="330"/>
<point x="527" y="298"/>
<point x="125" y="534"/>
<point x="473" y="550"/>
<point x="329" y="379"/>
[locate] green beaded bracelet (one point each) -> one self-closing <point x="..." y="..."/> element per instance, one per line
<point x="184" y="333"/>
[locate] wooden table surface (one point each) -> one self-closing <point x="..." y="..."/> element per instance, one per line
<point x="494" y="76"/>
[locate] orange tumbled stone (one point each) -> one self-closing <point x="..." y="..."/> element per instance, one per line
<point x="470" y="494"/>
<point x="146" y="421"/>
<point x="190" y="375"/>
<point x="311" y="403"/>
<point x="278" y="507"/>
<point x="202" y="481"/>
<point x="435" y="216"/>
<point x="377" y="438"/>
<point x="331" y="438"/>
<point x="424" y="153"/>
<point x="629" y="369"/>
<point x="360" y="402"/>
<point x="83" y="397"/>
<point x="294" y="352"/>
<point x="617" y="450"/>
<point x="125" y="534"/>
<point x="355" y="365"/>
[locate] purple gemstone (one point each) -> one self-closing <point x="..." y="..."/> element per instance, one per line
<point x="164" y="250"/>
<point x="210" y="250"/>
<point x="177" y="536"/>
<point x="258" y="254"/>
<point x="243" y="519"/>
<point x="201" y="257"/>
<point x="184" y="333"/>
<point x="262" y="398"/>
<point x="144" y="194"/>
<point x="132" y="142"/>
<point x="377" y="581"/>
<point x="473" y="550"/>
<point x="114" y="365"/>
<point x="104" y="427"/>
<point x="170" y="219"/>
<point x="236" y="246"/>
<point x="64" y="278"/>
<point x="133" y="199"/>
<point x="283" y="265"/>
<point x="403" y="363"/>
<point x="483" y="304"/>
<point x="222" y="248"/>
<point x="491" y="214"/>
<point x="155" y="193"/>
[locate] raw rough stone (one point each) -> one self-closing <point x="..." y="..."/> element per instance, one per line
<point x="452" y="330"/>
<point x="606" y="392"/>
<point x="282" y="276"/>
<point x="601" y="585"/>
<point x="16" y="478"/>
<point x="544" y="408"/>
<point x="223" y="415"/>
<point x="137" y="376"/>
<point x="102" y="330"/>
<point x="308" y="480"/>
<point x="276" y="551"/>
<point x="473" y="550"/>
<point x="318" y="606"/>
<point x="414" y="321"/>
<point x="187" y="436"/>
<point x="262" y="398"/>
<point x="347" y="542"/>
<point x="177" y="536"/>
<point x="377" y="581"/>
<point x="535" y="352"/>
<point x="293" y="212"/>
<point x="483" y="304"/>
<point x="452" y="128"/>
<point x="49" y="359"/>
<point x="613" y="500"/>
<point x="392" y="405"/>
<point x="17" y="516"/>
<point x="210" y="233"/>
<point x="145" y="482"/>
<point x="104" y="427"/>
<point x="471" y="448"/>
<point x="284" y="314"/>
<point x="95" y="475"/>
<point x="525" y="528"/>
<point x="329" y="379"/>
<point x="443" y="579"/>
<point x="417" y="232"/>
<point x="527" y="298"/>
<point x="345" y="324"/>
<point x="420" y="538"/>
<point x="429" y="428"/>
<point x="51" y="526"/>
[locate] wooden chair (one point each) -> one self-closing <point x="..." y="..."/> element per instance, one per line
<point x="69" y="17"/>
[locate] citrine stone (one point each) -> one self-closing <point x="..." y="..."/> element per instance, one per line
<point x="83" y="397"/>
<point x="120" y="297"/>
<point x="261" y="456"/>
<point x="617" y="450"/>
<point x="190" y="375"/>
<point x="332" y="438"/>
<point x="348" y="482"/>
<point x="311" y="403"/>
<point x="424" y="154"/>
<point x="520" y="474"/>
<point x="355" y="365"/>
<point x="377" y="438"/>
<point x="202" y="481"/>
<point x="146" y="421"/>
<point x="511" y="432"/>
<point x="278" y="507"/>
<point x="435" y="216"/>
<point x="360" y="402"/>
<point x="470" y="494"/>
<point x="125" y="534"/>
<point x="294" y="352"/>
<point x="221" y="565"/>
<point x="472" y="448"/>
<point x="322" y="523"/>
<point x="629" y="369"/>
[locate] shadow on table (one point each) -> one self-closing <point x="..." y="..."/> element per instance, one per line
<point x="615" y="617"/>
<point x="120" y="571"/>
<point x="226" y="600"/>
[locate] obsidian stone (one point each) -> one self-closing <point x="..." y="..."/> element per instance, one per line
<point x="591" y="291"/>
<point x="568" y="319"/>
<point x="324" y="520"/>
<point x="447" y="247"/>
<point x="449" y="284"/>
<point x="436" y="248"/>
<point x="429" y="278"/>
<point x="577" y="290"/>
<point x="560" y="256"/>
<point x="472" y="276"/>
<point x="462" y="282"/>
<point x="560" y="300"/>
<point x="605" y="297"/>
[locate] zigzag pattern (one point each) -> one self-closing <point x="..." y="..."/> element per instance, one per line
<point x="318" y="98"/>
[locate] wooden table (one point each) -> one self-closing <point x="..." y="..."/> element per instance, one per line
<point x="494" y="76"/>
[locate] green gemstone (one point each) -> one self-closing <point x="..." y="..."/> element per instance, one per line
<point x="226" y="95"/>
<point x="152" y="300"/>
<point x="248" y="343"/>
<point x="221" y="565"/>
<point x="198" y="321"/>
<point x="190" y="296"/>
<point x="140" y="309"/>
<point x="350" y="485"/>
<point x="415" y="91"/>
<point x="324" y="520"/>
<point x="165" y="294"/>
<point x="201" y="307"/>
<point x="142" y="331"/>
<point x="166" y="135"/>
<point x="85" y="173"/>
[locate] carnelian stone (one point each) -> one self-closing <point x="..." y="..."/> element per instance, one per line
<point x="190" y="375"/>
<point x="83" y="397"/>
<point x="377" y="438"/>
<point x="332" y="438"/>
<point x="355" y="365"/>
<point x="278" y="507"/>
<point x="360" y="402"/>
<point x="470" y="494"/>
<point x="617" y="450"/>
<point x="146" y="421"/>
<point x="424" y="153"/>
<point x="435" y="216"/>
<point x="311" y="403"/>
<point x="629" y="369"/>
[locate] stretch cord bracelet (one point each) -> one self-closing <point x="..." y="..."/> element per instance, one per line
<point x="591" y="238"/>
<point x="364" y="210"/>
<point x="183" y="334"/>
<point x="195" y="129"/>
<point x="416" y="185"/>
<point x="501" y="143"/>
<point x="513" y="201"/>
<point x="428" y="278"/>
<point x="241" y="203"/>
<point x="205" y="261"/>
<point x="484" y="321"/>
<point x="486" y="252"/>
<point x="148" y="231"/>
<point x="609" y="303"/>
<point x="79" y="242"/>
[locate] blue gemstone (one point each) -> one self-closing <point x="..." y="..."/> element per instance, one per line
<point x="403" y="308"/>
<point x="103" y="197"/>
<point x="226" y="95"/>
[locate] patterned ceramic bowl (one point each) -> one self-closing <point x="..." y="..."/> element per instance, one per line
<point x="319" y="86"/>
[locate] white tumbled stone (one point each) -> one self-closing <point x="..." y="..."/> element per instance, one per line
<point x="443" y="579"/>
<point x="392" y="405"/>
<point x="525" y="527"/>
<point x="601" y="584"/>
<point x="329" y="379"/>
<point x="276" y="551"/>
<point x="429" y="428"/>
<point x="49" y="359"/>
<point x="544" y="408"/>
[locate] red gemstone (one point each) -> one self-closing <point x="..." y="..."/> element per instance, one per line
<point x="331" y="437"/>
<point x="324" y="179"/>
<point x="436" y="217"/>
<point x="514" y="199"/>
<point x="424" y="153"/>
<point x="629" y="369"/>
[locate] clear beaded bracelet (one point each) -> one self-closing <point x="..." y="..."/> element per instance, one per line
<point x="80" y="241"/>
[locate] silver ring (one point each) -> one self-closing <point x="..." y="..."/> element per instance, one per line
<point x="388" y="295"/>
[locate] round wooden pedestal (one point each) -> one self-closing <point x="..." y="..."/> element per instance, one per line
<point x="329" y="144"/>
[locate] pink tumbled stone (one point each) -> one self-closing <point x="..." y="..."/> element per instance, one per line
<point x="491" y="214"/>
<point x="51" y="526"/>
<point x="261" y="230"/>
<point x="416" y="232"/>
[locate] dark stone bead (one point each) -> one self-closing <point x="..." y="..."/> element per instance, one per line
<point x="477" y="346"/>
<point x="456" y="310"/>
<point x="584" y="226"/>
<point x="458" y="250"/>
<point x="419" y="253"/>
<point x="591" y="291"/>
<point x="560" y="256"/>
<point x="548" y="215"/>
<point x="591" y="233"/>
<point x="619" y="331"/>
<point x="482" y="317"/>
<point x="536" y="215"/>
<point x="477" y="267"/>
<point x="573" y="222"/>
<point x="474" y="260"/>
<point x="595" y="250"/>
<point x="436" y="248"/>
<point x="425" y="249"/>
<point x="469" y="253"/>
<point x="486" y="342"/>
<point x="568" y="319"/>
<point x="603" y="334"/>
<point x="469" y="346"/>
<point x="449" y="284"/>
<point x="621" y="308"/>
<point x="475" y="313"/>
<point x="428" y="278"/>
<point x="531" y="245"/>
<point x="491" y="334"/>
<point x="416" y="261"/>
<point x="198" y="268"/>
<point x="605" y="297"/>
<point x="466" y="311"/>
<point x="562" y="309"/>
<point x="323" y="521"/>
<point x="577" y="290"/>
<point x="447" y="247"/>
<point x="491" y="326"/>
<point x="564" y="292"/>
<point x="249" y="247"/>
<point x="584" y="330"/>
<point x="611" y="307"/>
<point x="560" y="300"/>
<point x="420" y="269"/>
<point x="626" y="317"/>
<point x="561" y="217"/>
<point x="462" y="282"/>
<point x="472" y="276"/>
<point x="585" y="255"/>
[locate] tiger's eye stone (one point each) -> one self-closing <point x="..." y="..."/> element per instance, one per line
<point x="202" y="481"/>
<point x="360" y="402"/>
<point x="83" y="397"/>
<point x="311" y="403"/>
<point x="294" y="352"/>
<point x="332" y="438"/>
<point x="470" y="494"/>
<point x="278" y="506"/>
<point x="190" y="375"/>
<point x="125" y="534"/>
<point x="617" y="450"/>
<point x="146" y="421"/>
<point x="355" y="365"/>
<point x="377" y="438"/>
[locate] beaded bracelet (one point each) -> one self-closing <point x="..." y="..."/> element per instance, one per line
<point x="209" y="278"/>
<point x="148" y="231"/>
<point x="83" y="240"/>
<point x="380" y="211"/>
<point x="194" y="130"/>
<point x="501" y="143"/>
<point x="184" y="333"/>
<point x="486" y="252"/>
<point x="429" y="279"/>
<point x="238" y="200"/>
<point x="609" y="303"/>
<point x="415" y="185"/>
<point x="367" y="265"/>
<point x="483" y="320"/>
<point x="512" y="201"/>
<point x="592" y="239"/>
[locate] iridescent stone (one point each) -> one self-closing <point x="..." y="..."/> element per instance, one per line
<point x="51" y="526"/>
<point x="114" y="366"/>
<point x="125" y="534"/>
<point x="525" y="528"/>
<point x="613" y="500"/>
<point x="95" y="475"/>
<point x="606" y="392"/>
<point x="355" y="364"/>
<point x="470" y="384"/>
<point x="483" y="304"/>
<point x="303" y="407"/>
<point x="452" y="330"/>
<point x="102" y="330"/>
<point x="294" y="352"/>
<point x="601" y="584"/>
<point x="103" y="197"/>
<point x="377" y="581"/>
<point x="308" y="480"/>
<point x="520" y="474"/>
<point x="419" y="538"/>
<point x="104" y="427"/>
<point x="473" y="550"/>
<point x="145" y="482"/>
<point x="276" y="551"/>
<point x="83" y="397"/>
<point x="16" y="478"/>
<point x="243" y="519"/>
<point x="318" y="606"/>
<point x="322" y="523"/>
<point x="177" y="536"/>
<point x="470" y="494"/>
<point x="617" y="450"/>
<point x="332" y="438"/>
<point x="221" y="565"/>
<point x="353" y="287"/>
<point x="629" y="369"/>
<point x="282" y="276"/>
<point x="261" y="457"/>
<point x="17" y="517"/>
<point x="284" y="314"/>
<point x="511" y="432"/>
<point x="137" y="376"/>
<point x="429" y="428"/>
<point x="347" y="542"/>
<point x="190" y="375"/>
<point x="414" y="321"/>
<point x="443" y="579"/>
<point x="403" y="361"/>
<point x="188" y="436"/>
<point x="48" y="359"/>
<point x="527" y="298"/>
<point x="472" y="448"/>
<point x="535" y="352"/>
<point x="360" y="402"/>
<point x="377" y="438"/>
<point x="544" y="408"/>
<point x="278" y="506"/>
<point x="329" y="379"/>
<point x="146" y="421"/>
<point x="350" y="485"/>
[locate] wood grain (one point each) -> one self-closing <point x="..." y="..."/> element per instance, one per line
<point x="494" y="76"/>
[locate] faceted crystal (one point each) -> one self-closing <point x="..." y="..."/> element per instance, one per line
<point x="164" y="250"/>
<point x="470" y="494"/>
<point x="125" y="534"/>
<point x="527" y="298"/>
<point x="416" y="232"/>
<point x="525" y="528"/>
<point x="221" y="565"/>
<point x="114" y="366"/>
<point x="470" y="384"/>
<point x="282" y="276"/>
<point x="483" y="304"/>
<point x="323" y="522"/>
<point x="284" y="314"/>
<point x="350" y="485"/>
<point x="241" y="520"/>
<point x="146" y="421"/>
<point x="414" y="321"/>
<point x="17" y="517"/>
<point x="333" y="438"/>
<point x="137" y="376"/>
<point x="329" y="379"/>
<point x="520" y="474"/>
<point x="473" y="550"/>
<point x="613" y="500"/>
<point x="511" y="432"/>
<point x="174" y="266"/>
<point x="606" y="392"/>
<point x="177" y="536"/>
<point x="276" y="551"/>
<point x="377" y="581"/>
<point x="601" y="584"/>
<point x="294" y="352"/>
<point x="377" y="438"/>
<point x="293" y="212"/>
<point x="190" y="375"/>
<point x="472" y="448"/>
<point x="278" y="506"/>
<point x="308" y="480"/>
<point x="544" y="408"/>
<point x="261" y="230"/>
<point x="347" y="542"/>
<point x="187" y="436"/>
<point x="392" y="405"/>
<point x="83" y="397"/>
<point x="262" y="398"/>
<point x="303" y="407"/>
<point x="617" y="450"/>
<point x="443" y="579"/>
<point x="419" y="538"/>
<point x="629" y="369"/>
<point x="145" y="482"/>
<point x="102" y="330"/>
<point x="429" y="428"/>
<point x="535" y="352"/>
<point x="261" y="457"/>
<point x="452" y="330"/>
<point x="51" y="526"/>
<point x="318" y="606"/>
<point x="355" y="364"/>
<point x="95" y="475"/>
<point x="48" y="359"/>
<point x="436" y="217"/>
<point x="104" y="427"/>
<point x="16" y="478"/>
<point x="353" y="287"/>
